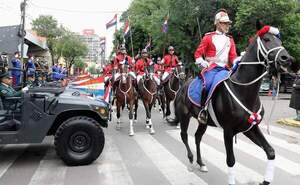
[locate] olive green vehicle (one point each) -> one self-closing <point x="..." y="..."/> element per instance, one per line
<point x="75" y="121"/>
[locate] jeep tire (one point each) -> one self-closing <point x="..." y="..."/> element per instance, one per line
<point x="79" y="141"/>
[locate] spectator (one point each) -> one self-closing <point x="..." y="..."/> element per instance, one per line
<point x="295" y="98"/>
<point x="16" y="71"/>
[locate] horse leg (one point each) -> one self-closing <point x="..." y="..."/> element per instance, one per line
<point x="147" y="113"/>
<point x="131" y="131"/>
<point x="163" y="103"/>
<point x="184" y="124"/>
<point x="151" y="131"/>
<point x="118" y="115"/>
<point x="168" y="111"/>
<point x="256" y="136"/>
<point x="136" y="105"/>
<point x="230" y="160"/>
<point x="198" y="136"/>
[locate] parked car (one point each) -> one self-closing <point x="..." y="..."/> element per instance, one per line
<point x="265" y="85"/>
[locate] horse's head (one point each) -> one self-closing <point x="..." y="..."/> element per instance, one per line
<point x="180" y="71"/>
<point x="124" y="73"/>
<point x="149" y="72"/>
<point x="271" y="51"/>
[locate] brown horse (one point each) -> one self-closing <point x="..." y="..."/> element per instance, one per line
<point x="172" y="85"/>
<point x="147" y="90"/>
<point x="126" y="95"/>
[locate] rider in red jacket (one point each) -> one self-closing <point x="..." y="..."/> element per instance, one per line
<point x="170" y="61"/>
<point x="219" y="51"/>
<point x="123" y="58"/>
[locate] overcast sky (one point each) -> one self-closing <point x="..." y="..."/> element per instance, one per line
<point x="73" y="14"/>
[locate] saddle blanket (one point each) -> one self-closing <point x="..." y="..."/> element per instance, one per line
<point x="212" y="79"/>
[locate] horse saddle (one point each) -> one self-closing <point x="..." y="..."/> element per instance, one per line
<point x="212" y="80"/>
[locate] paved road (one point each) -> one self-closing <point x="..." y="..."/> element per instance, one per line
<point x="158" y="159"/>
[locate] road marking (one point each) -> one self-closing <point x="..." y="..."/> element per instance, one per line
<point x="243" y="174"/>
<point x="111" y="166"/>
<point x="10" y="159"/>
<point x="173" y="169"/>
<point x="51" y="170"/>
<point x="283" y="163"/>
<point x="280" y="130"/>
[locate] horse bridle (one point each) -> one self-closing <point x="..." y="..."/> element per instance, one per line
<point x="261" y="50"/>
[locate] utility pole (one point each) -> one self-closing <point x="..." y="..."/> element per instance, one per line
<point x="22" y="33"/>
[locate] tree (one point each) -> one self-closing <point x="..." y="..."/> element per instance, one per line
<point x="72" y="48"/>
<point x="47" y="26"/>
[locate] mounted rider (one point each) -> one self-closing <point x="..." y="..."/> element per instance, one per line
<point x="219" y="52"/>
<point x="170" y="61"/>
<point x="107" y="72"/>
<point x="141" y="64"/>
<point x="123" y="58"/>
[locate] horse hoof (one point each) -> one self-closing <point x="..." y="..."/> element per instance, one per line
<point x="203" y="168"/>
<point x="131" y="133"/>
<point x="264" y="183"/>
<point x="147" y="126"/>
<point x="190" y="167"/>
<point x="152" y="131"/>
<point x="135" y="121"/>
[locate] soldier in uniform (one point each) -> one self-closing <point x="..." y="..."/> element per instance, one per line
<point x="16" y="72"/>
<point x="170" y="61"/>
<point x="219" y="51"/>
<point x="6" y="89"/>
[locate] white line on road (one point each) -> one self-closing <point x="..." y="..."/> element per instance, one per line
<point x="9" y="160"/>
<point x="282" y="131"/>
<point x="173" y="169"/>
<point x="283" y="163"/>
<point x="51" y="170"/>
<point x="218" y="159"/>
<point x="112" y="167"/>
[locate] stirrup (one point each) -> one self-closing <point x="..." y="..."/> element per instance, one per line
<point x="202" y="116"/>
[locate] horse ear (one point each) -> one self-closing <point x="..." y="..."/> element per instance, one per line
<point x="259" y="24"/>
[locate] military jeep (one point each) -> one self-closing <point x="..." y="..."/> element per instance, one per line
<point x="75" y="121"/>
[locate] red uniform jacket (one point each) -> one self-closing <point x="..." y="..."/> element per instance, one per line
<point x="141" y="64"/>
<point x="217" y="48"/>
<point x="120" y="57"/>
<point x="170" y="61"/>
<point x="107" y="71"/>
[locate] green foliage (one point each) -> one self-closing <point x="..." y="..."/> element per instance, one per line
<point x="79" y="63"/>
<point x="61" y="41"/>
<point x="147" y="17"/>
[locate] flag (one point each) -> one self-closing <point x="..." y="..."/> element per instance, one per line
<point x="106" y="96"/>
<point x="112" y="22"/>
<point x="165" y="24"/>
<point x="126" y="28"/>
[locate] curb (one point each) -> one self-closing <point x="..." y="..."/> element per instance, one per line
<point x="289" y="122"/>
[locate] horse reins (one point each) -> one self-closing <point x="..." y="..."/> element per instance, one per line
<point x="265" y="53"/>
<point x="125" y="92"/>
<point x="152" y="94"/>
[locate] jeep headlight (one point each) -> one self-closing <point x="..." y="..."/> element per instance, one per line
<point x="102" y="111"/>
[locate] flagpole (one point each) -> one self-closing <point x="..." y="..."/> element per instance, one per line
<point x="130" y="32"/>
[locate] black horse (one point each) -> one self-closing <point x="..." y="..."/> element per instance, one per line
<point x="172" y="85"/>
<point x="234" y="100"/>
<point x="147" y="89"/>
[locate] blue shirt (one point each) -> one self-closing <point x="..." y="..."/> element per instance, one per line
<point x="16" y="63"/>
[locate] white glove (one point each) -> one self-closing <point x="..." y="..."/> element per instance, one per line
<point x="162" y="61"/>
<point x="25" y="89"/>
<point x="122" y="62"/>
<point x="202" y="62"/>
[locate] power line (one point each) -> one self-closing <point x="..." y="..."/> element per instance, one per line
<point x="77" y="11"/>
